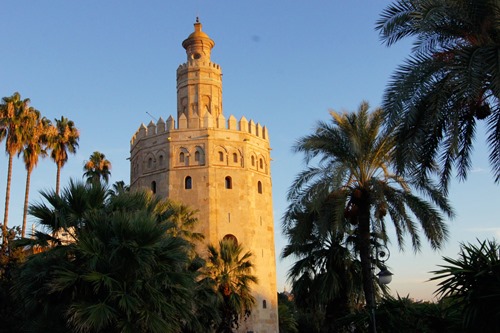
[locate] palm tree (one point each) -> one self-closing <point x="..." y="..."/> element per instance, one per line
<point x="97" y="167"/>
<point x="354" y="173"/>
<point x="36" y="139"/>
<point x="326" y="276"/>
<point x="182" y="221"/>
<point x="472" y="283"/>
<point x="118" y="188"/>
<point x="64" y="141"/>
<point x="120" y="272"/>
<point x="228" y="271"/>
<point x="13" y="125"/>
<point x="62" y="218"/>
<point x="435" y="100"/>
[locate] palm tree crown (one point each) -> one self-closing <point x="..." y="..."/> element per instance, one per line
<point x="97" y="167"/>
<point x="471" y="283"/>
<point x="449" y="83"/>
<point x="229" y="272"/>
<point x="63" y="141"/>
<point x="14" y="120"/>
<point x="354" y="178"/>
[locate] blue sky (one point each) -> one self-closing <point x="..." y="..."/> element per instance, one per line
<point x="104" y="64"/>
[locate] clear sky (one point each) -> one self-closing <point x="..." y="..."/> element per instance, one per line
<point x="107" y="64"/>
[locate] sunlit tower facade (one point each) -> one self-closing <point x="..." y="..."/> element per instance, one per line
<point x="219" y="166"/>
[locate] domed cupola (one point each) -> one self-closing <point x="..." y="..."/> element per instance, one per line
<point x="198" y="45"/>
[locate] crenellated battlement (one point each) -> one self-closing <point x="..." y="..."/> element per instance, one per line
<point x="221" y="123"/>
<point x="197" y="63"/>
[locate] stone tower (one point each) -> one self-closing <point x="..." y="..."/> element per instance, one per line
<point x="219" y="166"/>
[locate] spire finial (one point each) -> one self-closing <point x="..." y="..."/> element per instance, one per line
<point x="197" y="19"/>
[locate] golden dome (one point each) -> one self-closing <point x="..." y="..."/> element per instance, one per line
<point x="196" y="36"/>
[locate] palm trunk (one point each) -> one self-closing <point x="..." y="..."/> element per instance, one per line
<point x="366" y="259"/>
<point x="7" y="199"/>
<point x="26" y="196"/>
<point x="58" y="178"/>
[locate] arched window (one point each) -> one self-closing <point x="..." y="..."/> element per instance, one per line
<point x="231" y="238"/>
<point x="221" y="156"/>
<point x="153" y="187"/>
<point x="228" y="182"/>
<point x="161" y="160"/>
<point x="181" y="157"/>
<point x="197" y="156"/>
<point x="259" y="187"/>
<point x="150" y="163"/>
<point x="235" y="158"/>
<point x="264" y="304"/>
<point x="188" y="183"/>
<point x="253" y="161"/>
<point x="261" y="164"/>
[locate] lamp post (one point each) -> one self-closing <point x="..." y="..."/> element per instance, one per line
<point x="380" y="254"/>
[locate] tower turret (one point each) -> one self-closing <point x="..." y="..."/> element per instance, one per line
<point x="219" y="167"/>
<point x="199" y="81"/>
<point x="198" y="45"/>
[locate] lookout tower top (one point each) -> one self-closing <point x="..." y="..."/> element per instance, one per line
<point x="198" y="45"/>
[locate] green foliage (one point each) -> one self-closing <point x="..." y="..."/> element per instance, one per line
<point x="110" y="264"/>
<point x="448" y="84"/>
<point x="229" y="273"/>
<point x="402" y="314"/>
<point x="326" y="276"/>
<point x="287" y="314"/>
<point x="405" y="315"/>
<point x="15" y="116"/>
<point x="341" y="205"/>
<point x="97" y="168"/>
<point x="63" y="140"/>
<point x="472" y="283"/>
<point x="10" y="259"/>
<point x="35" y="144"/>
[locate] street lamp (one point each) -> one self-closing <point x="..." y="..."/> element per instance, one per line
<point x="380" y="254"/>
<point x="384" y="276"/>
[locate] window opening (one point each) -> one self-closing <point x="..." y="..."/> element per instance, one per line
<point x="153" y="187"/>
<point x="230" y="237"/>
<point x="188" y="183"/>
<point x="259" y="187"/>
<point x="228" y="182"/>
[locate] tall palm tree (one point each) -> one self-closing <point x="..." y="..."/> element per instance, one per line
<point x="229" y="272"/>
<point x="97" y="167"/>
<point x="64" y="141"/>
<point x="450" y="82"/>
<point x="354" y="170"/>
<point x="37" y="132"/>
<point x="13" y="125"/>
